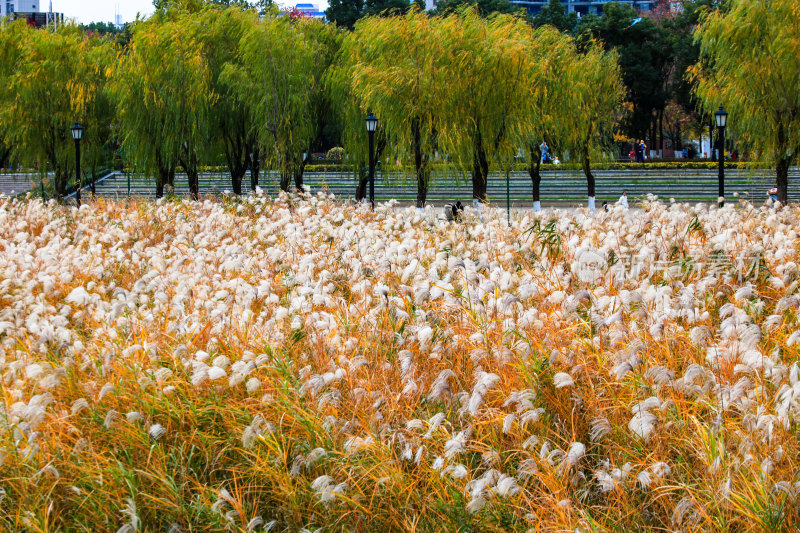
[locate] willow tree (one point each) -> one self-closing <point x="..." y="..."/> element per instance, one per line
<point x="219" y="32"/>
<point x="57" y="81"/>
<point x="350" y="113"/>
<point x="595" y="95"/>
<point x="547" y="98"/>
<point x="12" y="37"/>
<point x="162" y="90"/>
<point x="281" y="72"/>
<point x="485" y="65"/>
<point x="393" y="68"/>
<point x="750" y="63"/>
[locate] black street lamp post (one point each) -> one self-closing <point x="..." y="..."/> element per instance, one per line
<point x="372" y="125"/>
<point x="722" y="119"/>
<point x="77" y="134"/>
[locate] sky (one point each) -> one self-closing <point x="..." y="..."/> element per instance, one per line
<point x="86" y="11"/>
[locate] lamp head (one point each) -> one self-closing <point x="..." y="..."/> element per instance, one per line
<point x="722" y="117"/>
<point x="372" y="123"/>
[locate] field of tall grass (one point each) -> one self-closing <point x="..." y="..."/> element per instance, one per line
<point x="295" y="364"/>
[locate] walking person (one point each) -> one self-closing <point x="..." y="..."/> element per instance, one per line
<point x="641" y="150"/>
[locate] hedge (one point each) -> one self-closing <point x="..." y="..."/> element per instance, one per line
<point x="521" y="167"/>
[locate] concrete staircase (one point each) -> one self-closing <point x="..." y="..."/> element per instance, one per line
<point x="558" y="187"/>
<point x="17" y="183"/>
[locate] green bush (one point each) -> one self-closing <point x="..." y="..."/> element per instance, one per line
<point x="335" y="154"/>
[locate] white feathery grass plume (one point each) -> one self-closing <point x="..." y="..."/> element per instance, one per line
<point x="642" y="424"/>
<point x="685" y="514"/>
<point x="506" y="486"/>
<point x="78" y="296"/>
<point x="433" y="423"/>
<point x="129" y="511"/>
<point x="508" y="422"/>
<point x="600" y="428"/>
<point x="156" y="431"/>
<point x="562" y="379"/>
<point x="441" y="385"/>
<point x="79" y="405"/>
<point x="485" y="382"/>
<point x="575" y="453"/>
<point x="253" y="385"/>
<point x="325" y="488"/>
<point x="315" y="455"/>
<point x="606" y="481"/>
<point x="456" y="471"/>
<point x="111" y="416"/>
<point x="254" y="523"/>
<point x="456" y="445"/>
<point x="214" y="373"/>
<point x="356" y="444"/>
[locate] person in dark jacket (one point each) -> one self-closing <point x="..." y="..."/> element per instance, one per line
<point x="452" y="212"/>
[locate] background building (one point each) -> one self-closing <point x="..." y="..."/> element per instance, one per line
<point x="582" y="7"/>
<point x="310" y="10"/>
<point x="30" y="10"/>
<point x="9" y="7"/>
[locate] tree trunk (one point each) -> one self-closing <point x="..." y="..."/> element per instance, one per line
<point x="255" y="167"/>
<point x="533" y="170"/>
<point x="713" y="153"/>
<point x="782" y="179"/>
<point x="194" y="182"/>
<point x="238" y="160"/>
<point x="480" y="169"/>
<point x="651" y="144"/>
<point x="286" y="179"/>
<point x="189" y="164"/>
<point x="163" y="178"/>
<point x="5" y="154"/>
<point x="421" y="165"/>
<point x="587" y="171"/>
<point x="299" y="170"/>
<point x="236" y="183"/>
<point x="661" y="133"/>
<point x="363" y="181"/>
<point x="60" y="182"/>
<point x="422" y="189"/>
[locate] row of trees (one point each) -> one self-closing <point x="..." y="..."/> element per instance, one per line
<point x="477" y="89"/>
<point x="655" y="50"/>
<point x="198" y="83"/>
<point x="194" y="83"/>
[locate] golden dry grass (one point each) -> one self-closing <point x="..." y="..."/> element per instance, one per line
<point x="285" y="364"/>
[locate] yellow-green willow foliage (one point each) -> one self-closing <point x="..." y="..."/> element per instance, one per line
<point x="548" y="98"/>
<point x="394" y="69"/>
<point x="52" y="80"/>
<point x="281" y="79"/>
<point x="12" y="37"/>
<point x="486" y="65"/>
<point x="750" y="63"/>
<point x="595" y="94"/>
<point x="231" y="119"/>
<point x="161" y="87"/>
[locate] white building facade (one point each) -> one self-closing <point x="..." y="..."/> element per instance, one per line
<point x="9" y="7"/>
